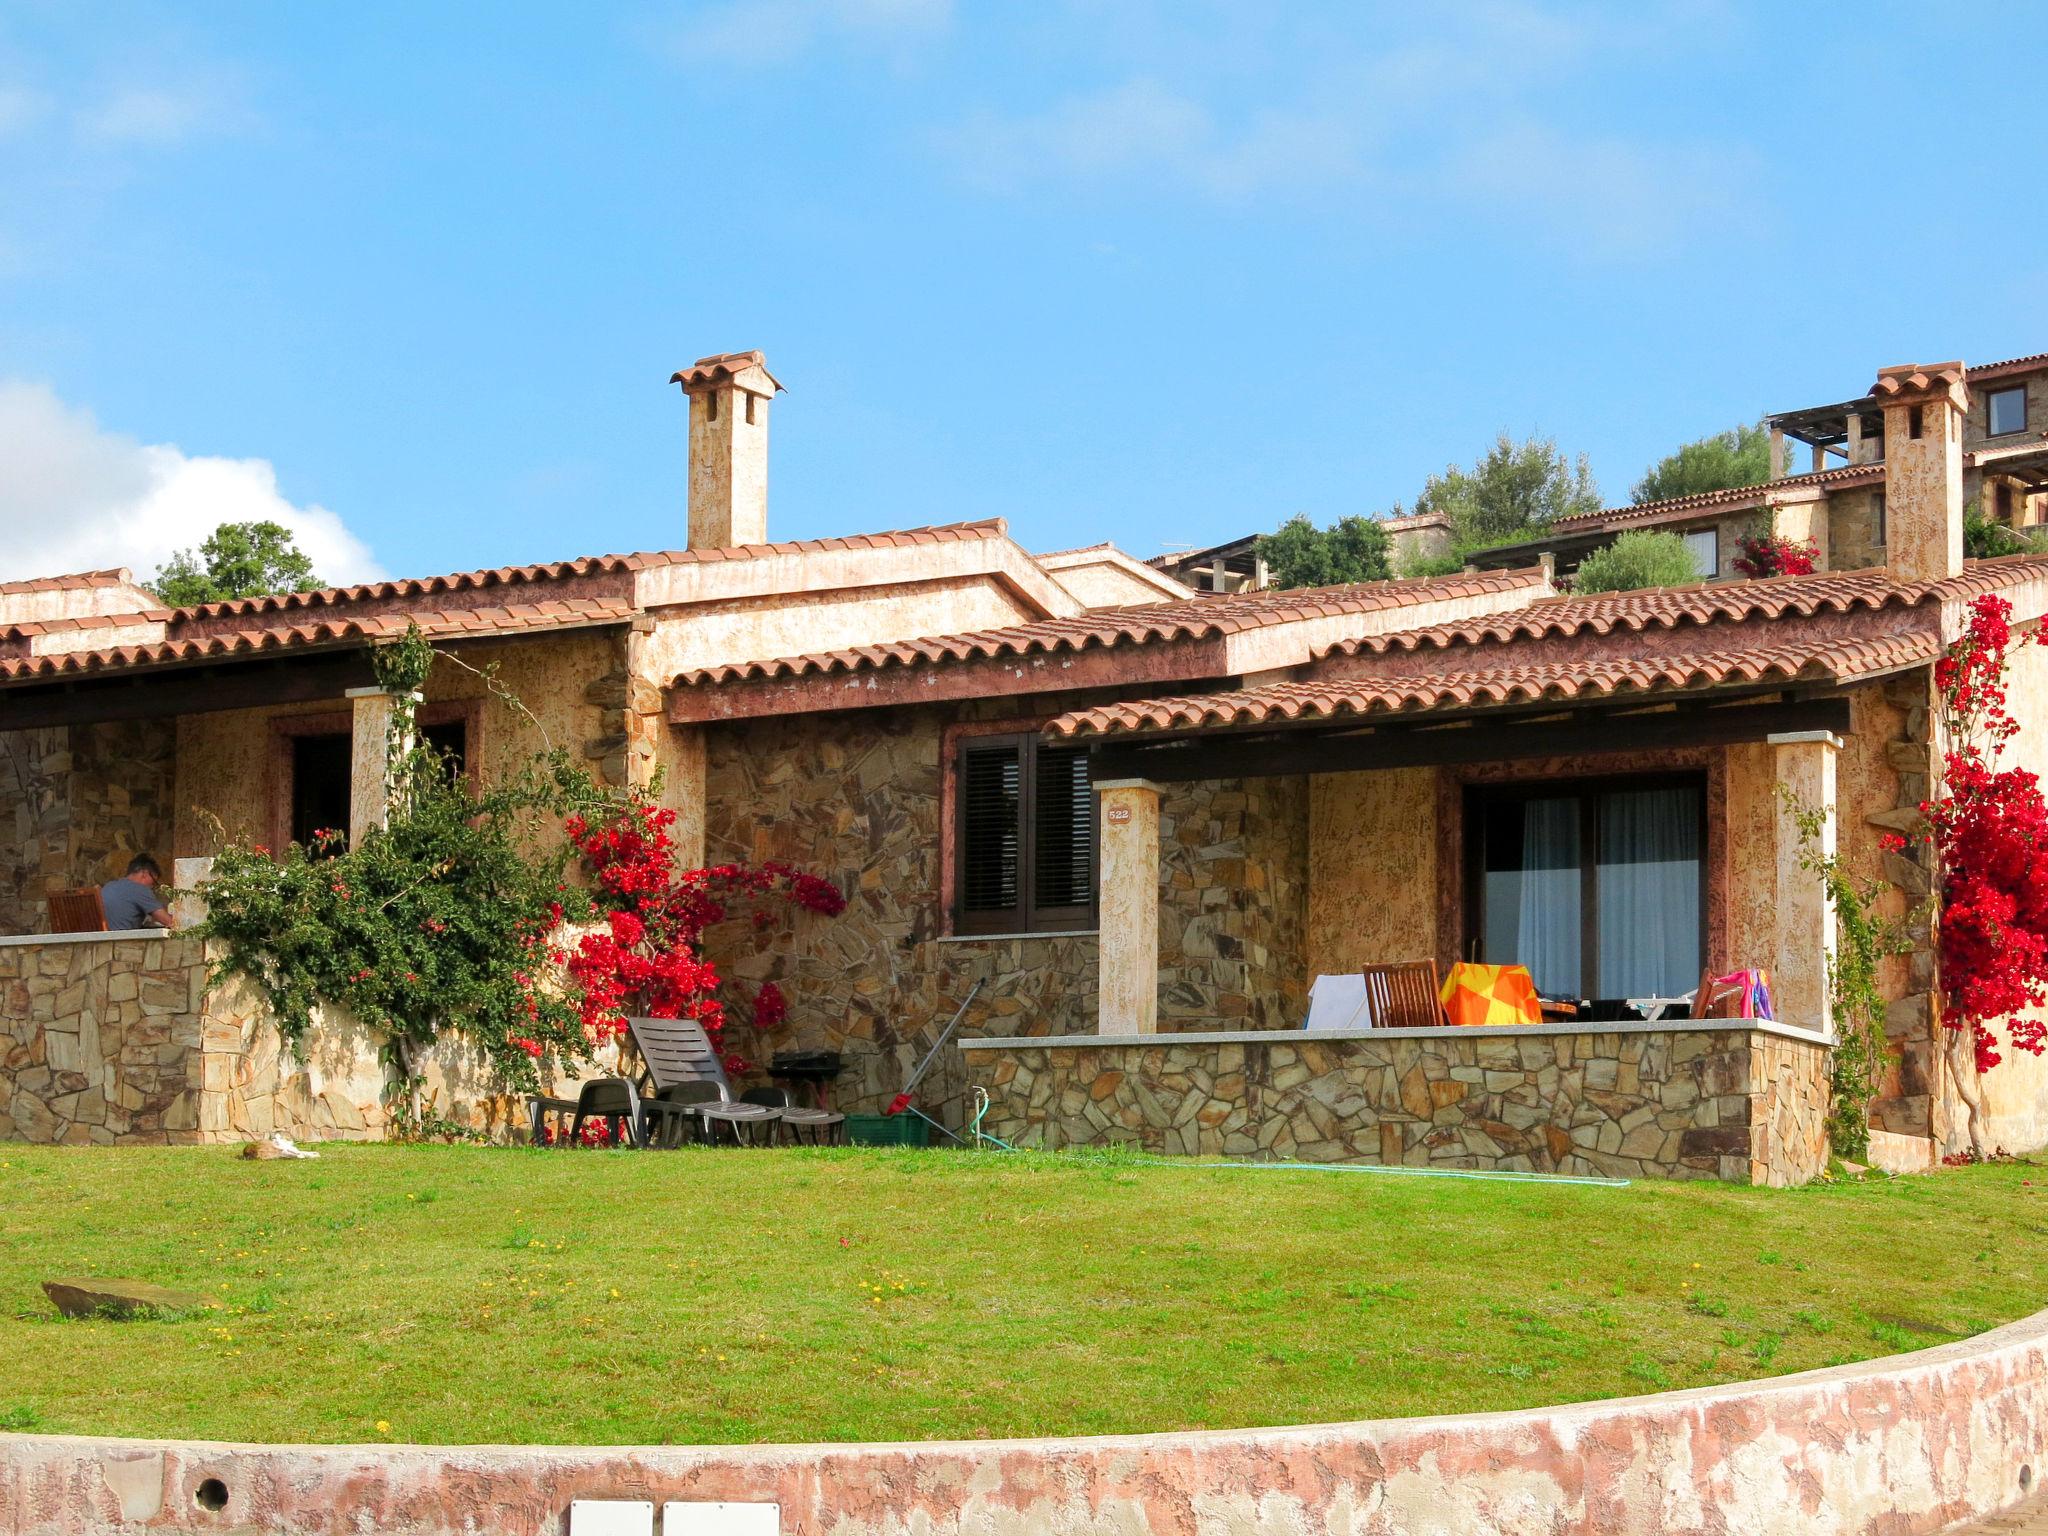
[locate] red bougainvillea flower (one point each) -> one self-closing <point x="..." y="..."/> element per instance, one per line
<point x="1989" y="828"/>
<point x="647" y="959"/>
<point x="1773" y="554"/>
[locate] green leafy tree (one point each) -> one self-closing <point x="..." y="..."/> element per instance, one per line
<point x="1513" y="493"/>
<point x="1739" y="456"/>
<point x="237" y="560"/>
<point x="1300" y="554"/>
<point x="1642" y="558"/>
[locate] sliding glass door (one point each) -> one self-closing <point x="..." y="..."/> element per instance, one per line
<point x="1597" y="886"/>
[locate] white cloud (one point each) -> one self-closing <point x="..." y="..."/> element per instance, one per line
<point x="1142" y="130"/>
<point x="762" y="32"/>
<point x="146" y="115"/>
<point x="76" y="497"/>
<point x="20" y="107"/>
<point x="1452" y="111"/>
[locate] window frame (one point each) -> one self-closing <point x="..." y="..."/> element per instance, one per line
<point x="1712" y="533"/>
<point x="1026" y="916"/>
<point x="1991" y="399"/>
<point x="1587" y="790"/>
<point x="285" y="729"/>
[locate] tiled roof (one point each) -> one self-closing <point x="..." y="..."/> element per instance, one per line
<point x="1840" y="478"/>
<point x="720" y="367"/>
<point x="1740" y="659"/>
<point x="80" y="579"/>
<point x="2029" y="364"/>
<point x="1672" y="608"/>
<point x="441" y="624"/>
<point x="1909" y="379"/>
<point x="517" y="575"/>
<point x="1190" y="618"/>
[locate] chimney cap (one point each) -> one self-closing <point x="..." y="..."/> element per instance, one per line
<point x="1922" y="381"/>
<point x="726" y="368"/>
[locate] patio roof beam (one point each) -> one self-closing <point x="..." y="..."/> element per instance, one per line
<point x="149" y="693"/>
<point x="1407" y="746"/>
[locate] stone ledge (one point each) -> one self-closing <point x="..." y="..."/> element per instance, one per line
<point x="1442" y="1032"/>
<point x="1908" y="1445"/>
<point x="118" y="936"/>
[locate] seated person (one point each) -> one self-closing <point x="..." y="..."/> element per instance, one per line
<point x="133" y="902"/>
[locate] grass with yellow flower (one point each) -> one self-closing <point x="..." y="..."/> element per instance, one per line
<point x="466" y="1294"/>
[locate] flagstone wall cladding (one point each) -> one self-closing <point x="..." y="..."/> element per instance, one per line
<point x="76" y="803"/>
<point x="112" y="1041"/>
<point x="856" y="797"/>
<point x="1737" y="1104"/>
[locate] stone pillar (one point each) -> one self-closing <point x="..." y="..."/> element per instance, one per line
<point x="1804" y="763"/>
<point x="729" y="396"/>
<point x="1777" y="452"/>
<point x="371" y="751"/>
<point x="1854" y="447"/>
<point x="1923" y="469"/>
<point x="1128" y="903"/>
<point x="1820" y="458"/>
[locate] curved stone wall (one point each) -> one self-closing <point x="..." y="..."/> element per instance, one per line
<point x="1903" y="1446"/>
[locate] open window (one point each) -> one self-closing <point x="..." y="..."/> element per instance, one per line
<point x="317" y="766"/>
<point x="1025" y="836"/>
<point x="1597" y="886"/>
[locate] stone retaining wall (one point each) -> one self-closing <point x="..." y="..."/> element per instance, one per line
<point x="1905" y="1446"/>
<point x="112" y="1040"/>
<point x="1730" y="1100"/>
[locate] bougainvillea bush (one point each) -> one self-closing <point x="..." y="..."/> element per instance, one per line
<point x="1764" y="553"/>
<point x="1989" y="827"/>
<point x="645" y="952"/>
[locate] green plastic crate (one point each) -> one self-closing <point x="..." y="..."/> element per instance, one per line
<point x="904" y="1130"/>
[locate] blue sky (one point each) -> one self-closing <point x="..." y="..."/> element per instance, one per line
<point x="1155" y="272"/>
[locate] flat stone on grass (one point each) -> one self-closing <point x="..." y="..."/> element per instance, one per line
<point x="90" y="1296"/>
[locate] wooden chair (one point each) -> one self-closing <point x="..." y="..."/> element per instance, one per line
<point x="77" y="911"/>
<point x="1404" y="995"/>
<point x="1717" y="1000"/>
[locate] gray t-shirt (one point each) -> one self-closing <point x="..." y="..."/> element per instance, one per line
<point x="128" y="904"/>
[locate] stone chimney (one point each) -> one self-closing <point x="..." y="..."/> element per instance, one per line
<point x="1923" y="406"/>
<point x="729" y="396"/>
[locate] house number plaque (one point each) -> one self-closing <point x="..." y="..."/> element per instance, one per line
<point x="1119" y="813"/>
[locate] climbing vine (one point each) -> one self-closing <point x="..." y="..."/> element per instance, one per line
<point x="1856" y="1006"/>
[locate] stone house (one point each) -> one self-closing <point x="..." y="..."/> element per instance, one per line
<point x="1839" y="501"/>
<point x="1269" y="787"/>
<point x="1131" y="823"/>
<point x="128" y="727"/>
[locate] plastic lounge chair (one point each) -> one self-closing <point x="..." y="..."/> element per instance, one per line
<point x="689" y="1087"/>
<point x="611" y="1100"/>
<point x="819" y="1127"/>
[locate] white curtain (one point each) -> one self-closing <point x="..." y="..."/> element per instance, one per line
<point x="1547" y="926"/>
<point x="1648" y="888"/>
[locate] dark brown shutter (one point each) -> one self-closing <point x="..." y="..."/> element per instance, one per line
<point x="991" y="832"/>
<point x="1063" y="831"/>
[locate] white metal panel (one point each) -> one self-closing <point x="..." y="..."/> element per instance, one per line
<point x="611" y="1517"/>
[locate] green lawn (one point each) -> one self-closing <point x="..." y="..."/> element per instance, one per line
<point x="458" y="1294"/>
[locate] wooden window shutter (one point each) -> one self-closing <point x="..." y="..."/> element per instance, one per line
<point x="1063" y="838"/>
<point x="990" y="829"/>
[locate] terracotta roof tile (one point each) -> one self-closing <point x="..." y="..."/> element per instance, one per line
<point x="1740" y="660"/>
<point x="1843" y="477"/>
<point x="720" y="367"/>
<point x="1676" y="608"/>
<point x="454" y="623"/>
<point x="521" y="575"/>
<point x="1910" y="379"/>
<point x="2030" y="364"/>
<point x="79" y="579"/>
<point x="1176" y="619"/>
